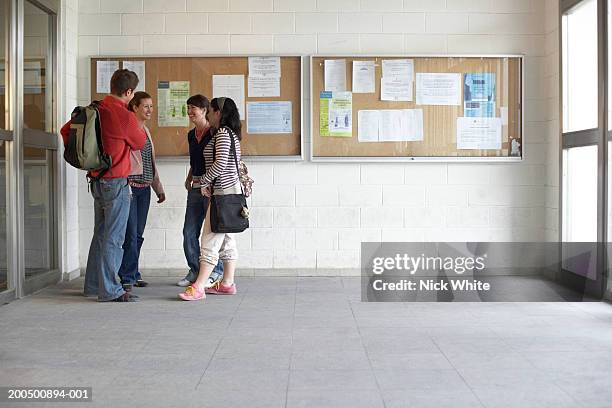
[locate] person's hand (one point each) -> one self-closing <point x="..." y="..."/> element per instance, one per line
<point x="187" y="184"/>
<point x="161" y="198"/>
<point x="206" y="191"/>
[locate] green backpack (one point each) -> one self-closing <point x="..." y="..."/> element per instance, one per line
<point x="84" y="149"/>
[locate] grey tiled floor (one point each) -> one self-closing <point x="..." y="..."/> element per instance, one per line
<point x="307" y="342"/>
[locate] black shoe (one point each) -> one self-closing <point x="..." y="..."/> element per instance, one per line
<point x="126" y="297"/>
<point x="141" y="284"/>
<point x="127" y="287"/>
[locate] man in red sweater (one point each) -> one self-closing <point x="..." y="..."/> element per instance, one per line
<point x="121" y="133"/>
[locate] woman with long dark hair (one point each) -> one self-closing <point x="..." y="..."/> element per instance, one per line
<point x="221" y="178"/>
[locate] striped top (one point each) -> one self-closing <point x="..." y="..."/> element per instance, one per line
<point x="223" y="167"/>
<point x="147" y="165"/>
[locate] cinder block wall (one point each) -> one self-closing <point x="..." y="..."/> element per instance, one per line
<point x="314" y="216"/>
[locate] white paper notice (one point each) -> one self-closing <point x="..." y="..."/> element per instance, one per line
<point x="479" y="133"/>
<point x="363" y="77"/>
<point x="438" y="89"/>
<point x="139" y="68"/>
<point x="230" y="86"/>
<point x="398" y="67"/>
<point x="335" y="75"/>
<point x="397" y="79"/>
<point x="367" y="125"/>
<point x="264" y="67"/>
<point x="401" y="125"/>
<point x="261" y="87"/>
<point x="395" y="89"/>
<point x="269" y="117"/>
<point x="104" y="72"/>
<point x="415" y="125"/>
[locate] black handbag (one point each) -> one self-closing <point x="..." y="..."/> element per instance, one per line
<point x="229" y="213"/>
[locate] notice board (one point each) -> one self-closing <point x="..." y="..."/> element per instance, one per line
<point x="483" y="99"/>
<point x="171" y="141"/>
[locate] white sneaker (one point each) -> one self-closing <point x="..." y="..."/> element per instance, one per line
<point x="210" y="282"/>
<point x="183" y="283"/>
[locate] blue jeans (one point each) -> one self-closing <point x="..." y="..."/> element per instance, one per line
<point x="139" y="209"/>
<point x="195" y="213"/>
<point x="111" y="209"/>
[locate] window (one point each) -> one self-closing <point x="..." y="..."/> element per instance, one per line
<point x="579" y="42"/>
<point x="580" y="194"/>
<point x="39" y="140"/>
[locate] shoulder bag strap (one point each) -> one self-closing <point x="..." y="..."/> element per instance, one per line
<point x="233" y="149"/>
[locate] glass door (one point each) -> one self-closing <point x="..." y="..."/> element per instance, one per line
<point x="40" y="143"/>
<point x="582" y="184"/>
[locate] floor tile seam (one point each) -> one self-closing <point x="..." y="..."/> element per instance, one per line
<point x="220" y="340"/>
<point x="563" y="391"/>
<point x="458" y="373"/>
<point x="378" y="387"/>
<point x="292" y="341"/>
<point x="135" y="355"/>
<point x="208" y="364"/>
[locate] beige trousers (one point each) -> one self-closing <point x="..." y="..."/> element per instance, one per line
<point x="215" y="246"/>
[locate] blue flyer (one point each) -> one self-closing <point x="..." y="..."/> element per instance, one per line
<point x="479" y="95"/>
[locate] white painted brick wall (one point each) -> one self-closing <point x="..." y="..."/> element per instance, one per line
<point x="314" y="23"/>
<point x="381" y="43"/>
<point x="186" y="23"/>
<point x="285" y="217"/>
<point x="467" y="5"/>
<point x="164" y="6"/>
<point x="207" y="5"/>
<point x="249" y="5"/>
<point x="226" y="23"/>
<point x="295" y="5"/>
<point x="208" y="44"/>
<point x="137" y="24"/>
<point x="251" y="44"/>
<point x="307" y="215"/>
<point x="164" y="44"/>
<point x="295" y="44"/>
<point x="360" y="196"/>
<point x="360" y="23"/>
<point x="401" y="196"/>
<point x="316" y="238"/>
<point x="338" y="217"/>
<point x="273" y="23"/>
<point x="404" y="23"/>
<point x="120" y="6"/>
<point x="447" y="23"/>
<point x="100" y="24"/>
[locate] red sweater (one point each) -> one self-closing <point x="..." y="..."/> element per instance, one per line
<point x="121" y="133"/>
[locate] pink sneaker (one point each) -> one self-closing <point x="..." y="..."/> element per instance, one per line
<point x="192" y="293"/>
<point x="220" y="289"/>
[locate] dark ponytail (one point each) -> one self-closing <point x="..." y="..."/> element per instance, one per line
<point x="229" y="114"/>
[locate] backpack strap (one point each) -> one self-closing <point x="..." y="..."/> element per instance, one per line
<point x="95" y="105"/>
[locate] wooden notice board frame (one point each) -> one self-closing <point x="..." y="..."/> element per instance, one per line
<point x="171" y="142"/>
<point x="437" y="144"/>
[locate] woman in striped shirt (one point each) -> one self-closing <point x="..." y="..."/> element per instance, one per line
<point x="220" y="178"/>
<point x="143" y="176"/>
